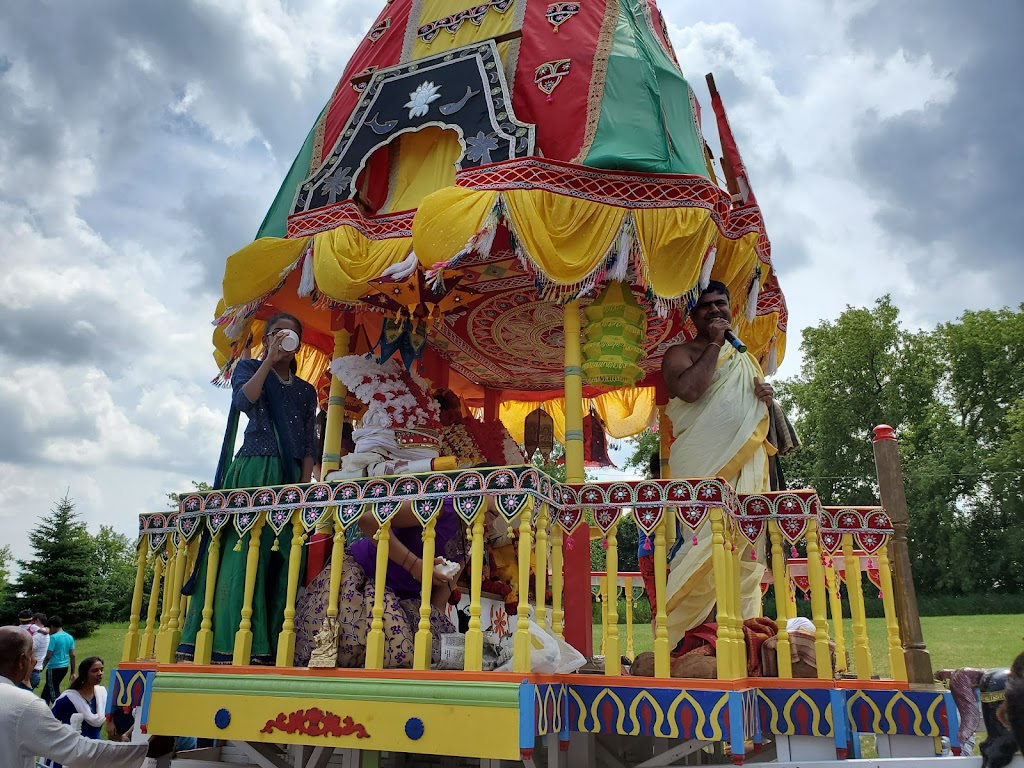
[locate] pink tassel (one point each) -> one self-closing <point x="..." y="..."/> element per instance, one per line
<point x="604" y="543"/>
<point x="753" y="554"/>
<point x="647" y="542"/>
<point x="871" y="563"/>
<point x="792" y="551"/>
<point x="694" y="540"/>
<point x="880" y="595"/>
<point x="732" y="547"/>
<point x="569" y="543"/>
<point x="549" y="99"/>
<point x="807" y="596"/>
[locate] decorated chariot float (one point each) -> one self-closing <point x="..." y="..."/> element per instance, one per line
<point x="515" y="200"/>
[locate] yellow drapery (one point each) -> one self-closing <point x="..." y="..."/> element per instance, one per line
<point x="257" y="269"/>
<point x="345" y="260"/>
<point x="425" y="163"/>
<point x="625" y="412"/>
<point x="492" y="25"/>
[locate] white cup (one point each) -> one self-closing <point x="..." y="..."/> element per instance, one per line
<point x="289" y="340"/>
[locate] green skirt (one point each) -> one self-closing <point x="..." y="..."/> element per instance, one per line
<point x="270" y="594"/>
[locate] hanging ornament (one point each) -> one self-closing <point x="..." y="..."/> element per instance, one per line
<point x="615" y="332"/>
<point x="539" y="434"/>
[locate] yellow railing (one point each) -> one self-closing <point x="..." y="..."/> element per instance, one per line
<point x="544" y="512"/>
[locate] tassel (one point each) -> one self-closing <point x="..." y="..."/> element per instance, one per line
<point x="621" y="259"/>
<point x="647" y="542"/>
<point x="238" y="545"/>
<point x="880" y="595"/>
<point x="569" y="543"/>
<point x="709" y="264"/>
<point x="792" y="551"/>
<point x="753" y="554"/>
<point x="604" y="543"/>
<point x="694" y="539"/>
<point x="752" y="294"/>
<point x="306" y="282"/>
<point x="771" y="365"/>
<point x="871" y="563"/>
<point x="807" y="596"/>
<point x="487" y="239"/>
<point x="275" y="548"/>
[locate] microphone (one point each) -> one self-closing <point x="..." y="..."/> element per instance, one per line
<point x="731" y="338"/>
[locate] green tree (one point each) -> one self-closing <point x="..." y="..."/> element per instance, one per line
<point x="643" y="445"/>
<point x="7" y="606"/>
<point x="862" y="370"/>
<point x="115" y="578"/>
<point x="60" y="578"/>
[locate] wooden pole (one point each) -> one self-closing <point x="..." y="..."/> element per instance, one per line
<point x="894" y="499"/>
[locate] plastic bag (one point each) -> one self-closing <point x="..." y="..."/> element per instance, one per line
<point x="545" y="655"/>
<point x="569" y="658"/>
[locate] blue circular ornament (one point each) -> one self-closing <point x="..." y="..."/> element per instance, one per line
<point x="414" y="728"/>
<point x="222" y="719"/>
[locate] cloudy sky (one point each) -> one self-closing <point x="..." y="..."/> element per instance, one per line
<point x="141" y="143"/>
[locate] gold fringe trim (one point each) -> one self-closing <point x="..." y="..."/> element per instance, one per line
<point x="599" y="73"/>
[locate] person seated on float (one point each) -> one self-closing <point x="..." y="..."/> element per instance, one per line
<point x="399" y="434"/>
<point x="278" y="448"/>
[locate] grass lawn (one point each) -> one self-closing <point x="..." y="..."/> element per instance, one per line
<point x="953" y="641"/>
<point x="106" y="642"/>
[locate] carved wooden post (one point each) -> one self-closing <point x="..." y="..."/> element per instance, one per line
<point x="894" y="499"/>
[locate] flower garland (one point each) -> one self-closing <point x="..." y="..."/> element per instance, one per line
<point x="394" y="396"/>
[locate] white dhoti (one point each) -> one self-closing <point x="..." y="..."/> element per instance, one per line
<point x="721" y="435"/>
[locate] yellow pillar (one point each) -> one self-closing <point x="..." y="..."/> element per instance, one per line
<point x="130" y="651"/>
<point x="613" y="652"/>
<point x="781" y="585"/>
<point x="557" y="614"/>
<point x="541" y="564"/>
<point x="720" y="569"/>
<point x="149" y="636"/>
<point x="242" y="651"/>
<point x="574" y="470"/>
<point x="165" y="600"/>
<point x="897" y="662"/>
<point x="204" y="637"/>
<point x="662" y="662"/>
<point x="521" y="654"/>
<point x="604" y="598"/>
<point x="331" y="459"/>
<point x="474" y="634"/>
<point x="167" y="643"/>
<point x="286" y="640"/>
<point x="375" y="640"/>
<point x="337" y="556"/>
<point x="854" y="588"/>
<point x="832" y="583"/>
<point x="816" y="575"/>
<point x="628" y="589"/>
<point x="421" y="654"/>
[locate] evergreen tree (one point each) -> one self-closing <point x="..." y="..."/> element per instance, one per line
<point x="7" y="608"/>
<point x="61" y="576"/>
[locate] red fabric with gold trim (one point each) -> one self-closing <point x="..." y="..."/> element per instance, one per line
<point x="381" y="53"/>
<point x="561" y="119"/>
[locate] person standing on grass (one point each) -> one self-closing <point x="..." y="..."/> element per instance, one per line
<point x="83" y="705"/>
<point x="60" y="658"/>
<point x="29" y="730"/>
<point x="40" y="646"/>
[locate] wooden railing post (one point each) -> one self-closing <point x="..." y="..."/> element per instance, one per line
<point x="894" y="498"/>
